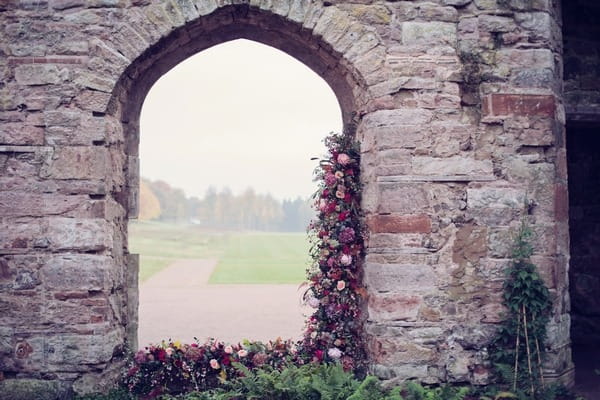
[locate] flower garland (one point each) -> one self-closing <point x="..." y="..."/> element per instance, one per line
<point x="173" y="367"/>
<point x="334" y="331"/>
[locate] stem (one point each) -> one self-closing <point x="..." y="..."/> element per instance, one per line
<point x="517" y="351"/>
<point x="528" y="352"/>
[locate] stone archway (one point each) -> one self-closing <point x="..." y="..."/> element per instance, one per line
<point x="222" y="25"/>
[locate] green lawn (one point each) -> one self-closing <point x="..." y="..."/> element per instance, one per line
<point x="243" y="257"/>
<point x="262" y="258"/>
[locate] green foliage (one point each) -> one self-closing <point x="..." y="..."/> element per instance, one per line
<point x="115" y="394"/>
<point x="517" y="350"/>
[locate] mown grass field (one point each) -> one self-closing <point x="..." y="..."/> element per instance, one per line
<point x="255" y="258"/>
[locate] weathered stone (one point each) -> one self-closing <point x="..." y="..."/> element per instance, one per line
<point x="451" y="166"/>
<point x="496" y="197"/>
<point x="39" y="74"/>
<point x="27" y="389"/>
<point x="428" y="33"/>
<point x="526" y="105"/>
<point x="77" y="272"/>
<point x="79" y="234"/>
<point x="399" y="277"/>
<point x="399" y="223"/>
<point x="79" y="163"/>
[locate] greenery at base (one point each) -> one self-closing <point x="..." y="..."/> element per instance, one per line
<point x="306" y="382"/>
<point x="518" y="349"/>
<point x="256" y="257"/>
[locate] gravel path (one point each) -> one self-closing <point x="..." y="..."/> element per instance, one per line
<point x="178" y="303"/>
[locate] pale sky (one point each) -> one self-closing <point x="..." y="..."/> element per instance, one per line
<point x="238" y="114"/>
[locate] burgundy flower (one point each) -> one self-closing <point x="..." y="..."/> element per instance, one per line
<point x="347" y="235"/>
<point x="330" y="179"/>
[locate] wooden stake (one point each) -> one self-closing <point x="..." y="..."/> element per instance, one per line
<point x="539" y="357"/>
<point x="528" y="352"/>
<point x="517" y="351"/>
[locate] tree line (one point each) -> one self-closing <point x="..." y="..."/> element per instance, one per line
<point x="222" y="209"/>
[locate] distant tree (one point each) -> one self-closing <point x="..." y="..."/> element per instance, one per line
<point x="173" y="202"/>
<point x="149" y="203"/>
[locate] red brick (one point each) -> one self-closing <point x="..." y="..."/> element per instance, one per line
<point x="399" y="223"/>
<point x="561" y="202"/>
<point x="519" y="104"/>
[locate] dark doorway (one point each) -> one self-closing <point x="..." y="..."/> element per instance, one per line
<point x="583" y="154"/>
<point x="581" y="56"/>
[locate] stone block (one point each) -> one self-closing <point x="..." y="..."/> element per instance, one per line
<point x="493" y="23"/>
<point x="36" y="205"/>
<point x="402" y="198"/>
<point x="470" y="245"/>
<point x="540" y="24"/>
<point x="456" y="165"/>
<point x="394" y="223"/>
<point x="38" y="389"/>
<point x="79" y="162"/>
<point x="428" y="33"/>
<point x="78" y="272"/>
<point x="72" y="352"/>
<point x="494" y="197"/>
<point x="398" y="350"/>
<point x="399" y="277"/>
<point x="519" y="104"/>
<point x="500" y="242"/>
<point x="205" y="7"/>
<point x="79" y="234"/>
<point x="394" y="307"/>
<point x="39" y="74"/>
<point x="14" y="133"/>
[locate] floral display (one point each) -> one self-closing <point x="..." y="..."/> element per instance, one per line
<point x="173" y="367"/>
<point x="334" y="331"/>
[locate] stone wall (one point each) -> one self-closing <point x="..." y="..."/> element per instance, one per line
<point x="459" y="110"/>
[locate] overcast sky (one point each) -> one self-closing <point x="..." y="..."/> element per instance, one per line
<point x="239" y="114"/>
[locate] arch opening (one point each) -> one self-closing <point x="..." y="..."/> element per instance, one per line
<point x="227" y="157"/>
<point x="224" y="25"/>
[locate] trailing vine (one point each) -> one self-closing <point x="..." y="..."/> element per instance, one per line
<point x="518" y="349"/>
<point x="334" y="331"/>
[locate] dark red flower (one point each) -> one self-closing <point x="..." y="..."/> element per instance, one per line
<point x="343" y="215"/>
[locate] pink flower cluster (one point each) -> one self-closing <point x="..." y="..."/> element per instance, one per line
<point x="333" y="332"/>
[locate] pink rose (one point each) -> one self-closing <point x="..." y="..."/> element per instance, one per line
<point x="339" y="174"/>
<point x="214" y="364"/>
<point x="341" y="285"/>
<point x="334" y="353"/>
<point x="169" y="351"/>
<point x="242" y="353"/>
<point x="343" y="159"/>
<point x="322" y="205"/>
<point x="313" y="302"/>
<point x="339" y="194"/>
<point x="228" y="349"/>
<point x="346" y="259"/>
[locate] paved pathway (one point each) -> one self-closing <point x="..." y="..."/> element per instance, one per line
<point x="178" y="303"/>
